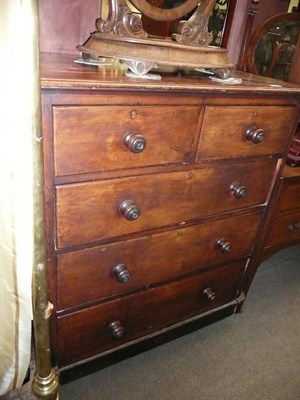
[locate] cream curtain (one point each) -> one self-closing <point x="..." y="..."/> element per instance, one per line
<point x="19" y="126"/>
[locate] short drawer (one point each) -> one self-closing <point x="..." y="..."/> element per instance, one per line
<point x="290" y="197"/>
<point x="90" y="274"/>
<point x="99" y="138"/>
<point x="94" y="211"/>
<point x="109" y="325"/>
<point x="285" y="229"/>
<point x="241" y="131"/>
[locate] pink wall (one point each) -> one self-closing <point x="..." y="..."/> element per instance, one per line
<point x="64" y="24"/>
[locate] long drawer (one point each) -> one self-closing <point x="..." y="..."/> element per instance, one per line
<point x="98" y="138"/>
<point x="242" y="131"/>
<point x="109" y="325"/>
<point x="90" y="274"/>
<point x="92" y="211"/>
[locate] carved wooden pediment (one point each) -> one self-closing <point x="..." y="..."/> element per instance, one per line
<point x="121" y="35"/>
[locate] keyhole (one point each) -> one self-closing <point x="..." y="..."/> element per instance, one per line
<point x="133" y="114"/>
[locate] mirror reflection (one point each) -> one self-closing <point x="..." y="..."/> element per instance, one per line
<point x="166" y="4"/>
<point x="217" y="21"/>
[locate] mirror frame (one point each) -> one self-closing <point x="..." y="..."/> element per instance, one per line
<point x="162" y="14"/>
<point x="258" y="33"/>
<point x="122" y="36"/>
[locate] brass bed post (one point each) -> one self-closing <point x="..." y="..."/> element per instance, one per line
<point x="45" y="382"/>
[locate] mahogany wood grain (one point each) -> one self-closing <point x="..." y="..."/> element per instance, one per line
<point x="223" y="133"/>
<point x="85" y="333"/>
<point x="89" y="211"/>
<point x="291" y="173"/>
<point x="290" y="197"/>
<point x="60" y="72"/>
<point x="234" y="36"/>
<point x="259" y="33"/>
<point x="282" y="234"/>
<point x="294" y="75"/>
<point x="186" y="204"/>
<point x="99" y="131"/>
<point x="283" y="230"/>
<point x="86" y="275"/>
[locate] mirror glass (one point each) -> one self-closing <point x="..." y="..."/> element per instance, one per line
<point x="166" y="4"/>
<point x="166" y="10"/>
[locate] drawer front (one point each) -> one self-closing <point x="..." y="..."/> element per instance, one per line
<point x="87" y="332"/>
<point x="98" y="138"/>
<point x="224" y="131"/>
<point x="285" y="228"/>
<point x="98" y="210"/>
<point x="291" y="197"/>
<point x="91" y="274"/>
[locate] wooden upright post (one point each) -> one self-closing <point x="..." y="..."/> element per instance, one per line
<point x="252" y="11"/>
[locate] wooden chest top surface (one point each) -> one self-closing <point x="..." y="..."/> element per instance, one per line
<point x="60" y="71"/>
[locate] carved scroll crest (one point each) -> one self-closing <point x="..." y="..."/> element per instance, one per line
<point x="195" y="30"/>
<point x="121" y="35"/>
<point x="192" y="33"/>
<point x="121" y="21"/>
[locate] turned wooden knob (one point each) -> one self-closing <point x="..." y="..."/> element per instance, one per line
<point x="130" y="210"/>
<point x="223" y="246"/>
<point x="238" y="190"/>
<point x="256" y="135"/>
<point x="121" y="272"/>
<point x="135" y="142"/>
<point x="116" y="329"/>
<point x="210" y="294"/>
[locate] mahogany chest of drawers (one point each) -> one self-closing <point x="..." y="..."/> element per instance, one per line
<point x="158" y="196"/>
